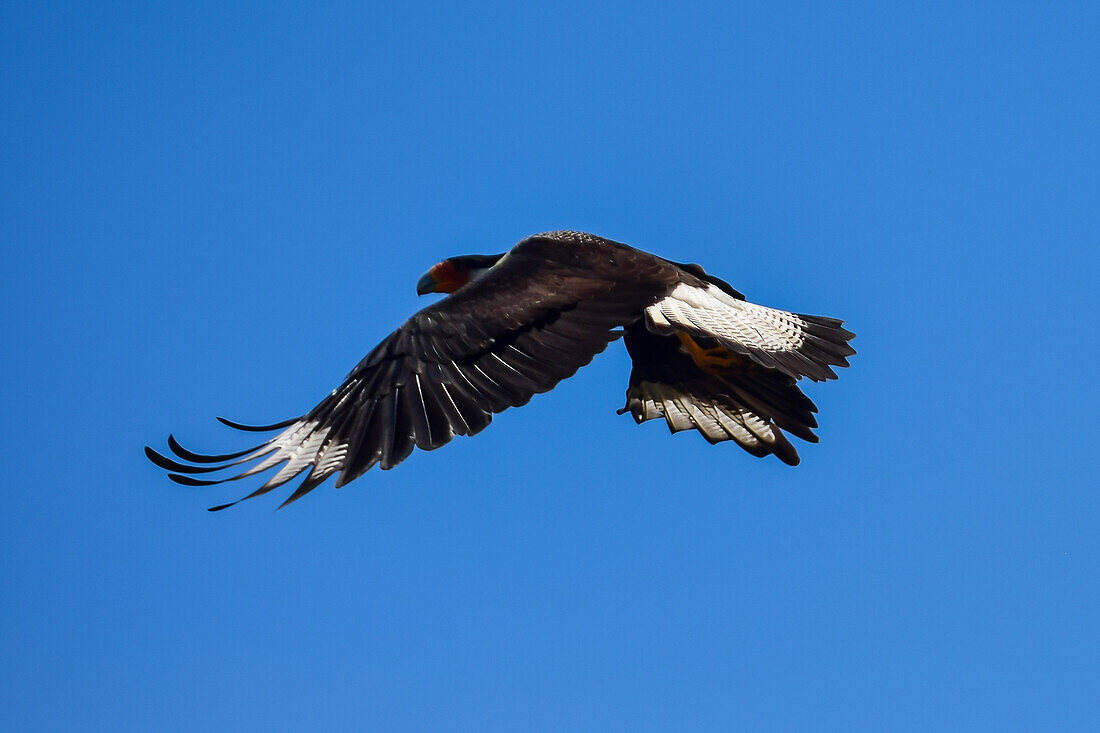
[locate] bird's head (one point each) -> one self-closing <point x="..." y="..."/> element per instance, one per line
<point x="451" y="274"/>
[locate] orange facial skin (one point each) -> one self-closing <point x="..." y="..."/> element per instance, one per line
<point x="448" y="276"/>
<point x="444" y="277"/>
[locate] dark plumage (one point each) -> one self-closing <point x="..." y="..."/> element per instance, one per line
<point x="517" y="324"/>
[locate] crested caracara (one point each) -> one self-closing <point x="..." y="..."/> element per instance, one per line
<point x="515" y="325"/>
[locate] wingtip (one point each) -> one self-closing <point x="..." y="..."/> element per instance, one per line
<point x="256" y="428"/>
<point x="161" y="461"/>
<point x="189" y="455"/>
<point x="189" y="481"/>
<point x="171" y="465"/>
<point x="786" y="452"/>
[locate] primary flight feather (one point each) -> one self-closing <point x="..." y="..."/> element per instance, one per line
<point x="515" y="325"/>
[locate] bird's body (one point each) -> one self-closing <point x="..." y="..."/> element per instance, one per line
<point x="515" y="325"/>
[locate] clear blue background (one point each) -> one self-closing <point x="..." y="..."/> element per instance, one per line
<point x="219" y="208"/>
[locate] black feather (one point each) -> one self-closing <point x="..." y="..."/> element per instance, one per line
<point x="187" y="455"/>
<point x="257" y="428"/>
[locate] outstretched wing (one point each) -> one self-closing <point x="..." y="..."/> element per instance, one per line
<point x="534" y="319"/>
<point x="794" y="344"/>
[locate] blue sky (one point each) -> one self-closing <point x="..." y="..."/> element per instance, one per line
<point x="219" y="208"/>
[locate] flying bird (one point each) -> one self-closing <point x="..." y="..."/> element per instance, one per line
<point x="516" y="324"/>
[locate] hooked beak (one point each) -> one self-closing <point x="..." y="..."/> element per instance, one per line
<point x="426" y="284"/>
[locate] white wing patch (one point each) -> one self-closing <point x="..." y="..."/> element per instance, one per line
<point x="286" y="446"/>
<point x="802" y="346"/>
